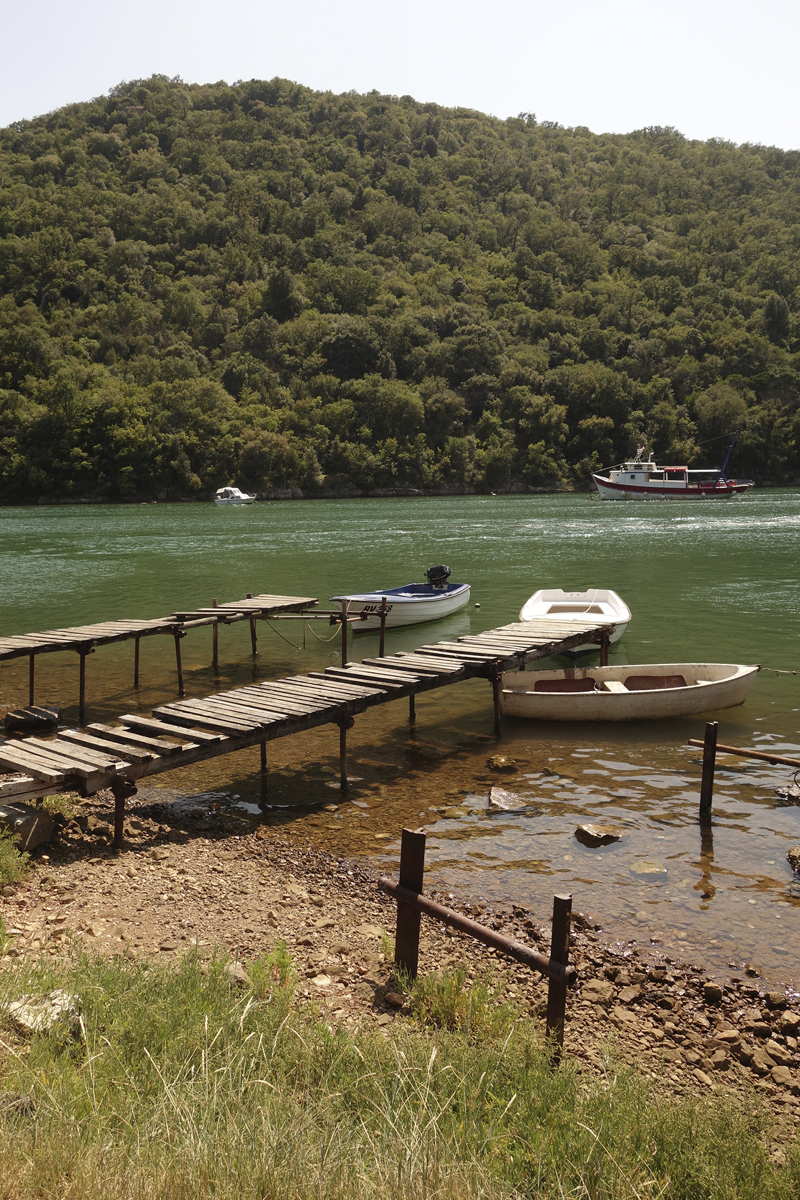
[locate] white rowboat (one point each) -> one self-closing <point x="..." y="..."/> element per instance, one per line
<point x="411" y="604"/>
<point x="558" y="606"/>
<point x="650" y="691"/>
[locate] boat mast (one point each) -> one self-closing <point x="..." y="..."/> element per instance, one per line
<point x="722" y="474"/>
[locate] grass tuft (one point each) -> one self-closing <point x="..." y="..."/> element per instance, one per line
<point x="13" y="861"/>
<point x="181" y="1087"/>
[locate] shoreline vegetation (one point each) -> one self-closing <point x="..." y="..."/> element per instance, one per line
<point x="297" y="291"/>
<point x="222" y="1039"/>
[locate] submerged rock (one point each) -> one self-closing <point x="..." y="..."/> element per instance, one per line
<point x="500" y="762"/>
<point x="502" y="801"/>
<point x="598" y="835"/>
<point x="793" y="858"/>
<point x="648" y="868"/>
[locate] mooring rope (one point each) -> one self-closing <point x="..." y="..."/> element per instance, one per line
<point x="777" y="671"/>
<point x="335" y="634"/>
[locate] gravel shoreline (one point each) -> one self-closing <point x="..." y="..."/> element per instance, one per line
<point x="187" y="878"/>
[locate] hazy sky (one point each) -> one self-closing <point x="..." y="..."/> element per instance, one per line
<point x="711" y="69"/>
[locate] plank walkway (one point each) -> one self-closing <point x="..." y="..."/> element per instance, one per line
<point x="188" y="731"/>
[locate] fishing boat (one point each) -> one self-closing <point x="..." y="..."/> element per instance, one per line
<point x="232" y="495"/>
<point x="553" y="604"/>
<point x="651" y="691"/>
<point x="411" y="604"/>
<point x="643" y="479"/>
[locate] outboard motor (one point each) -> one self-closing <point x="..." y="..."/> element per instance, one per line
<point x="438" y="576"/>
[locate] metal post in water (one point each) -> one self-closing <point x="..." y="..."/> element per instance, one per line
<point x="709" y="763"/>
<point x="345" y="605"/>
<point x="382" y="646"/>
<point x="215" y="639"/>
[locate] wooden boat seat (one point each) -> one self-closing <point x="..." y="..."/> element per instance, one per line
<point x="648" y="683"/>
<point x="564" y="685"/>
<point x="612" y="685"/>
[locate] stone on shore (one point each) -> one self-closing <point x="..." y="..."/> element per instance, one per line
<point x="501" y="762"/>
<point x="598" y="835"/>
<point x="32" y="827"/>
<point x="502" y="801"/>
<point x="712" y="993"/>
<point x="43" y="1014"/>
<point x="598" y="991"/>
<point x="794" y="859"/>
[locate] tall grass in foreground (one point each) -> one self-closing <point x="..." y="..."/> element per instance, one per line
<point x="183" y="1087"/>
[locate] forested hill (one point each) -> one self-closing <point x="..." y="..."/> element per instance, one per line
<point x="281" y="288"/>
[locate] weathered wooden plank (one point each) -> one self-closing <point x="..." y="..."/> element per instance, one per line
<point x="289" y="702"/>
<point x="85" y="761"/>
<point x="126" y="739"/>
<point x="388" y="685"/>
<point x="319" y="683"/>
<point x="20" y="759"/>
<point x="79" y="738"/>
<point x="165" y="729"/>
<point x="207" y="720"/>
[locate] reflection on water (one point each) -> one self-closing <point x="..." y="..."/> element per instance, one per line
<point x="714" y="583"/>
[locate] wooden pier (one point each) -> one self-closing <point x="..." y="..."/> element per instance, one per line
<point x="188" y="731"/>
<point x="83" y="639"/>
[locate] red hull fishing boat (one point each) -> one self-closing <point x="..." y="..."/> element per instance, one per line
<point x="642" y="479"/>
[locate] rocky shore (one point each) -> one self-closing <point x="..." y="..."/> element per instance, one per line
<point x="184" y="880"/>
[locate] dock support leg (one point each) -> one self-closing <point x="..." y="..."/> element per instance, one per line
<point x="121" y="788"/>
<point x="178" y="664"/>
<point x="412" y="870"/>
<point x="497" y="696"/>
<point x="82" y="688"/>
<point x="557" y="992"/>
<point x="253" y="641"/>
<point x="263" y="758"/>
<point x="382" y="646"/>
<point x="709" y="762"/>
<point x="604" y="650"/>
<point x="136" y="662"/>
<point x="215" y="640"/>
<point x="345" y="604"/>
<point x="345" y="724"/>
<point x="412" y="709"/>
<point x="32" y="679"/>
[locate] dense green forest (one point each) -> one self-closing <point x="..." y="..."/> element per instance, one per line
<point x="265" y="285"/>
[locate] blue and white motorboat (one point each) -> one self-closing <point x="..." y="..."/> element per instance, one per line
<point x="410" y="604"/>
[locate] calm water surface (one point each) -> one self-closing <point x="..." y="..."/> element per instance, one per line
<point x="713" y="582"/>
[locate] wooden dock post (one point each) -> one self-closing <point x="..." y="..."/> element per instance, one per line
<point x="136" y="662"/>
<point x="412" y="870"/>
<point x="253" y="645"/>
<point x="382" y="646"/>
<point x="32" y="679"/>
<point x="412" y="708"/>
<point x="263" y="758"/>
<point x="557" y="991"/>
<point x="604" y="643"/>
<point x="345" y="606"/>
<point x="497" y="696"/>
<point x="215" y="640"/>
<point x="121" y="788"/>
<point x="178" y="635"/>
<point x="709" y="762"/>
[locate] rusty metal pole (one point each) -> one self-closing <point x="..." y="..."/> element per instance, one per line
<point x="121" y="788"/>
<point x="263" y="758"/>
<point x="345" y="724"/>
<point x="32" y="679"/>
<point x="252" y="629"/>
<point x="604" y="650"/>
<point x="709" y="763"/>
<point x="382" y="646"/>
<point x="345" y="605"/>
<point x="215" y="640"/>
<point x="178" y="635"/>
<point x="412" y="708"/>
<point x="82" y="687"/>
<point x="136" y="662"/>
<point x="497" y="697"/>
<point x="412" y="871"/>
<point x="556" y="990"/>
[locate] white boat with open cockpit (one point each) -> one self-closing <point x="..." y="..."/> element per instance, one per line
<point x="410" y="604"/>
<point x="651" y="691"/>
<point x="598" y="604"/>
<point x="642" y="479"/>
<point x="232" y="495"/>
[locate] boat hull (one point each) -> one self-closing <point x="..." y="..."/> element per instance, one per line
<point x="405" y="609"/>
<point x="236" y="503"/>
<point x="553" y="604"/>
<point x="707" y="687"/>
<point x="623" y="491"/>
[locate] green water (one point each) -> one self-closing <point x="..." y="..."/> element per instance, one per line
<point x="715" y="581"/>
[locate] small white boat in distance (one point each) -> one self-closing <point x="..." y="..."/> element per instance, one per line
<point x="411" y="604"/>
<point x="558" y="606"/>
<point x="651" y="691"/>
<point x="232" y="495"/>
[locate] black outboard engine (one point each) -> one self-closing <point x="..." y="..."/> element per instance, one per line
<point x="438" y="576"/>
